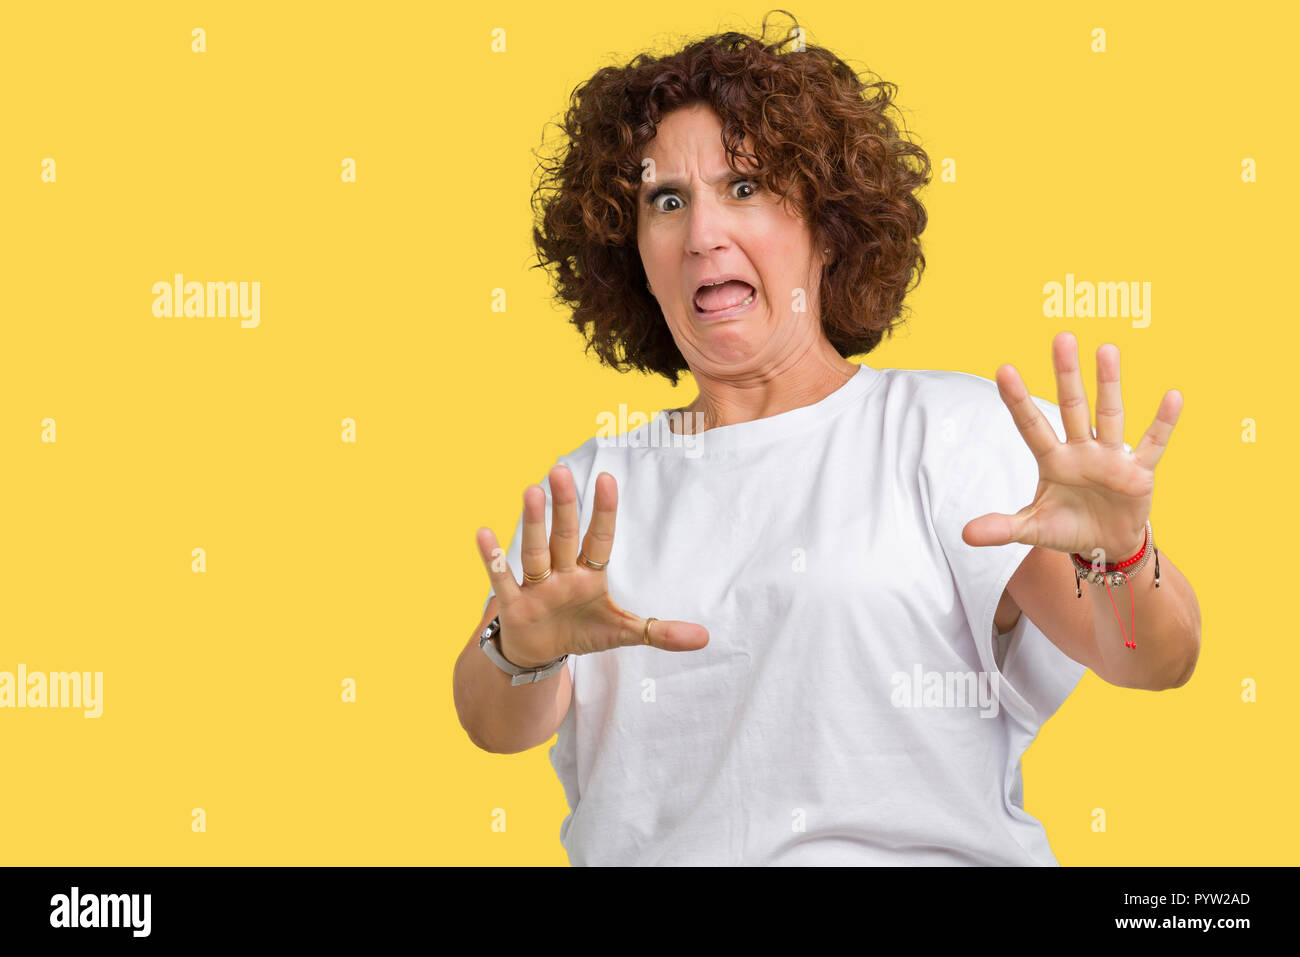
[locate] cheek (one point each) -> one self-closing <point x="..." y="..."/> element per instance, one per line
<point x="655" y="248"/>
<point x="778" y="251"/>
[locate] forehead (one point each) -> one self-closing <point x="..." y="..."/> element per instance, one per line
<point x="690" y="138"/>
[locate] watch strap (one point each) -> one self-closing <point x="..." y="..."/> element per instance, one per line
<point x="518" y="676"/>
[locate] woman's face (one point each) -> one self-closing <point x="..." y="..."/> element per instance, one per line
<point x="697" y="220"/>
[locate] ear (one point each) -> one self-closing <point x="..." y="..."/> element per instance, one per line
<point x="822" y="242"/>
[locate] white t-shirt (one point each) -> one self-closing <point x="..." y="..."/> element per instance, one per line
<point x="822" y="549"/>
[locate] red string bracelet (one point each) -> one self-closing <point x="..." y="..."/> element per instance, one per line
<point x="1117" y="573"/>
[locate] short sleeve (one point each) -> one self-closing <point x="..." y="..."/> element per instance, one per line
<point x="992" y="470"/>
<point x="515" y="549"/>
<point x="1044" y="675"/>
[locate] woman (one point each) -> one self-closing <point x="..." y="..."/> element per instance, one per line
<point x="867" y="623"/>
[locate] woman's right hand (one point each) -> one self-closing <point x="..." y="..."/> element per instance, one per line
<point x="571" y="611"/>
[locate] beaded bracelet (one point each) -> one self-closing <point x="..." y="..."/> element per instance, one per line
<point x="1118" y="573"/>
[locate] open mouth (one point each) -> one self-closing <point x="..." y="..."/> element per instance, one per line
<point x="723" y="299"/>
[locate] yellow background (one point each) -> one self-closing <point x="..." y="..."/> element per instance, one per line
<point x="327" y="560"/>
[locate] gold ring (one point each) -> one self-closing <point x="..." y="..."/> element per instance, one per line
<point x="646" y="636"/>
<point x="589" y="563"/>
<point x="537" y="578"/>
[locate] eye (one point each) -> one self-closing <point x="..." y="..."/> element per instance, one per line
<point x="654" y="200"/>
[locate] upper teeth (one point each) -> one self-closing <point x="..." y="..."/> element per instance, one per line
<point x="718" y="283"/>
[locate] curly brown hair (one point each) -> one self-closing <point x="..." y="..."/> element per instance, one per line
<point x="830" y="152"/>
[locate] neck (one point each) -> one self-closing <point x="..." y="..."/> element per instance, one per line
<point x="791" y="384"/>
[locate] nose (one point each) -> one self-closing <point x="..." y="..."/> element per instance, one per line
<point x="707" y="232"/>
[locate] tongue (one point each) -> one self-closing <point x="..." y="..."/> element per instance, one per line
<point x="730" y="293"/>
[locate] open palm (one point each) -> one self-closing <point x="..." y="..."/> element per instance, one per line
<point x="1092" y="493"/>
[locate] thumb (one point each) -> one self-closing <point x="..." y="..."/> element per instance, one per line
<point x="670" y="635"/>
<point x="995" y="528"/>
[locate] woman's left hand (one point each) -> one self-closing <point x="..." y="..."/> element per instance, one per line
<point x="1092" y="494"/>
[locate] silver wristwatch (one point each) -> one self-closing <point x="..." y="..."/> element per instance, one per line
<point x="520" y="676"/>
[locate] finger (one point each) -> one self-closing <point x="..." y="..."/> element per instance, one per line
<point x="599" y="541"/>
<point x="498" y="569"/>
<point x="535" y="553"/>
<point x="1110" y="406"/>
<point x="665" y="635"/>
<point x="997" y="528"/>
<point x="564" y="519"/>
<point x="1156" y="438"/>
<point x="1033" y="425"/>
<point x="1070" y="396"/>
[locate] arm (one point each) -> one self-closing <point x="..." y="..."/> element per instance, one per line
<point x="1168" y="620"/>
<point x="1094" y="493"/>
<point x="499" y="717"/>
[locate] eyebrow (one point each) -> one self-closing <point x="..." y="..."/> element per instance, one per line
<point x="677" y="184"/>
